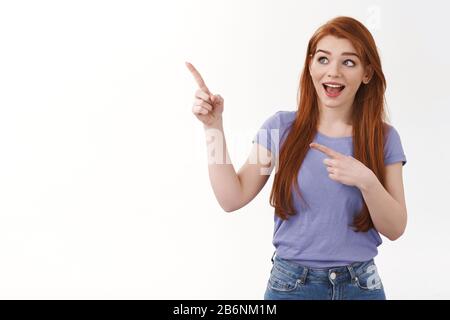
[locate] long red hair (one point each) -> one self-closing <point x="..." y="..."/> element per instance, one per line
<point x="368" y="120"/>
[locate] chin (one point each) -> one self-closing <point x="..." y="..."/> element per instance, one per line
<point x="330" y="103"/>
<point x="331" y="106"/>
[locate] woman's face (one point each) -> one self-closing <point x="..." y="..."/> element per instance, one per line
<point x="336" y="60"/>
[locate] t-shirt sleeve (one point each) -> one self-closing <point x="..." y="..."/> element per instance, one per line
<point x="393" y="150"/>
<point x="268" y="134"/>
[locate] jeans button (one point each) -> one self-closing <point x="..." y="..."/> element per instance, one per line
<point x="333" y="276"/>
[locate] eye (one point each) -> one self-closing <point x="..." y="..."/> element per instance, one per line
<point x="348" y="65"/>
<point x="322" y="58"/>
<point x="353" y="63"/>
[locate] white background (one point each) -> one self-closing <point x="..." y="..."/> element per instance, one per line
<point x="104" y="188"/>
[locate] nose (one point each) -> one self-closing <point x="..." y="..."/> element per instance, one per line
<point x="333" y="71"/>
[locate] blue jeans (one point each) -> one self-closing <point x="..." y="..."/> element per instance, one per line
<point x="292" y="281"/>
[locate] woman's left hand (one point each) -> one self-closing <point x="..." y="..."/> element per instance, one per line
<point x="345" y="169"/>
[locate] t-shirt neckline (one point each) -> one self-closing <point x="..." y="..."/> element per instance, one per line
<point x="333" y="138"/>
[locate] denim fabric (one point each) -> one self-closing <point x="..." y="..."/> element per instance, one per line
<point x="292" y="281"/>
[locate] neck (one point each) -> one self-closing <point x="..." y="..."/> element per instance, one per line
<point x="335" y="117"/>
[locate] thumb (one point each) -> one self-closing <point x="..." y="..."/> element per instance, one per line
<point x="212" y="97"/>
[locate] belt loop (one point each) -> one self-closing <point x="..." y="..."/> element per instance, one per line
<point x="304" y="274"/>
<point x="273" y="255"/>
<point x="352" y="272"/>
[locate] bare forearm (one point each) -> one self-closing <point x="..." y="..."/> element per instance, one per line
<point x="222" y="175"/>
<point x="388" y="216"/>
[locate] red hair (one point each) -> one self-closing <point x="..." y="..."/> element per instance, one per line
<point x="368" y="120"/>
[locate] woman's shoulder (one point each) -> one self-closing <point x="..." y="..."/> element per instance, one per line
<point x="390" y="131"/>
<point x="393" y="148"/>
<point x="281" y="118"/>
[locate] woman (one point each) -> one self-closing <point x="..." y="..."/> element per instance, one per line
<point x="339" y="170"/>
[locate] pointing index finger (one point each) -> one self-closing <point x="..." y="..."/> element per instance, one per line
<point x="198" y="78"/>
<point x="328" y="151"/>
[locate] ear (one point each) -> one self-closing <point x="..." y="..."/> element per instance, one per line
<point x="368" y="74"/>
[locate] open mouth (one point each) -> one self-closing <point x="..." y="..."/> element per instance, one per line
<point x="332" y="90"/>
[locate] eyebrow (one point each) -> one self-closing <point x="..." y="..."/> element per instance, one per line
<point x="343" y="53"/>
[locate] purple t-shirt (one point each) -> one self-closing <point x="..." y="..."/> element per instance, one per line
<point x="319" y="235"/>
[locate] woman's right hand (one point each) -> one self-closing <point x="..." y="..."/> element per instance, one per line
<point x="207" y="107"/>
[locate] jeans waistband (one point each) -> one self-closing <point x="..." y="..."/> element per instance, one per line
<point x="323" y="273"/>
